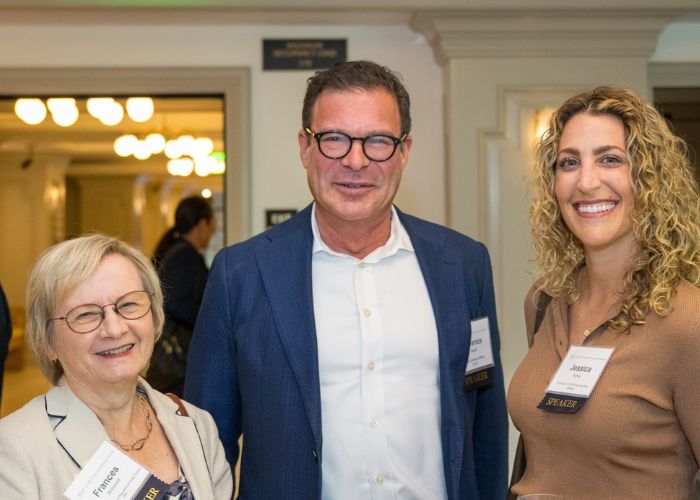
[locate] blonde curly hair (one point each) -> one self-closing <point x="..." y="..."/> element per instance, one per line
<point x="665" y="218"/>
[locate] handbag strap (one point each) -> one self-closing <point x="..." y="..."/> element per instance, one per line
<point x="542" y="305"/>
<point x="178" y="402"/>
<point x="520" y="461"/>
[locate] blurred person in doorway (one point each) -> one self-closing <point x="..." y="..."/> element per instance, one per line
<point x="5" y="334"/>
<point x="183" y="273"/>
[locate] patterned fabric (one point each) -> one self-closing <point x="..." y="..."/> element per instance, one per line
<point x="179" y="489"/>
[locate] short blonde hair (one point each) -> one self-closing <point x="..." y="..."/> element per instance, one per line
<point x="59" y="270"/>
<point x="666" y="213"/>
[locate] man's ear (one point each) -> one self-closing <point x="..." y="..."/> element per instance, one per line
<point x="405" y="148"/>
<point x="304" y="147"/>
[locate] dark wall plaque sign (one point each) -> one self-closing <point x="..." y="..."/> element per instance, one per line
<point x="303" y="53"/>
<point x="278" y="216"/>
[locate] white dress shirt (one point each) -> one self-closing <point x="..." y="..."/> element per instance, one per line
<point x="379" y="373"/>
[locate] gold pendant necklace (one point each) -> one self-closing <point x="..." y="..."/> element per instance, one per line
<point x="139" y="443"/>
<point x="586" y="333"/>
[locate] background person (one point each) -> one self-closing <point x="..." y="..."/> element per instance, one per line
<point x="615" y="231"/>
<point x="337" y="342"/>
<point x="178" y="258"/>
<point x="183" y="274"/>
<point x="5" y="334"/>
<point x="94" y="309"/>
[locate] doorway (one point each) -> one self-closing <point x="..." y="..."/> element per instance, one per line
<point x="681" y="107"/>
<point x="676" y="93"/>
<point x="44" y="192"/>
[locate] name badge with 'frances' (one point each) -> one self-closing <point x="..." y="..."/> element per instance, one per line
<point x="111" y="474"/>
<point x="575" y="379"/>
<point x="480" y="363"/>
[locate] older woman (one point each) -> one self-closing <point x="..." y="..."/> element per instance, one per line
<point x="94" y="310"/>
<point x="615" y="230"/>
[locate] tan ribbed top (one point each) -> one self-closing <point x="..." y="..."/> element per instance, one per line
<point x="638" y="436"/>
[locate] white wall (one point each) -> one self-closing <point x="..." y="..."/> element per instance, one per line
<point x="278" y="180"/>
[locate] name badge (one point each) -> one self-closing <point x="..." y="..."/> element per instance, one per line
<point x="111" y="474"/>
<point x="480" y="363"/>
<point x="575" y="379"/>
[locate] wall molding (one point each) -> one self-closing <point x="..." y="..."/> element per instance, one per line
<point x="554" y="33"/>
<point x="675" y="74"/>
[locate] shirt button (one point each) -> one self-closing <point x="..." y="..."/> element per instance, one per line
<point x="367" y="312"/>
<point x="370" y="365"/>
<point x="380" y="479"/>
<point x="362" y="265"/>
<point x="373" y="422"/>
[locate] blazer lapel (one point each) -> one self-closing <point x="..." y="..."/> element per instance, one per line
<point x="445" y="283"/>
<point x="184" y="439"/>
<point x="77" y="428"/>
<point x="285" y="267"/>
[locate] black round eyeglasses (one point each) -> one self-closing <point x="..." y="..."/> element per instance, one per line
<point x="335" y="145"/>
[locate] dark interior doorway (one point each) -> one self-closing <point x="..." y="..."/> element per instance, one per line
<point x="681" y="107"/>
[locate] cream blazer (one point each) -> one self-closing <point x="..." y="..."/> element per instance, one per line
<point x="44" y="445"/>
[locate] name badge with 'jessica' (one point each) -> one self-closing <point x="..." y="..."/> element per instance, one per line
<point x="480" y="363"/>
<point x="111" y="474"/>
<point x="575" y="379"/>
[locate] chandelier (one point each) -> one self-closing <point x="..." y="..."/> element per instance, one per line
<point x="64" y="110"/>
<point x="186" y="154"/>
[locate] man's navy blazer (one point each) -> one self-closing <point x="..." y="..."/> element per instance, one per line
<point x="253" y="361"/>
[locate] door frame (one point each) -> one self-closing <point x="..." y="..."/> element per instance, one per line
<point x="233" y="83"/>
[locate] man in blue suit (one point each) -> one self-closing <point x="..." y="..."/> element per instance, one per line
<point x="354" y="348"/>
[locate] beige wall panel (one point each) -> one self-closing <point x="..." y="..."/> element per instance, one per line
<point x="18" y="238"/>
<point x="106" y="206"/>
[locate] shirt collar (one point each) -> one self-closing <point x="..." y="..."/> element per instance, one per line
<point x="398" y="240"/>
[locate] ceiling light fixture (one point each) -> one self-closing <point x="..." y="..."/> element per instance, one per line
<point x="31" y="111"/>
<point x="63" y="110"/>
<point x="125" y="145"/>
<point x="139" y="109"/>
<point x="113" y="115"/>
<point x="105" y="109"/>
<point x="97" y="106"/>
<point x="180" y="167"/>
<point x="156" y="142"/>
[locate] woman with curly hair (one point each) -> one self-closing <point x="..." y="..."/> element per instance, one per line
<point x="615" y="230"/>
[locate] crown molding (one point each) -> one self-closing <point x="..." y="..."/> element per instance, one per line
<point x="542" y="34"/>
<point x="297" y="12"/>
<point x="190" y="5"/>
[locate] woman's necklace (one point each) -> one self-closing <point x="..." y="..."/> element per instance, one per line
<point x="138" y="444"/>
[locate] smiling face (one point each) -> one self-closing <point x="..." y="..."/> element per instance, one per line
<point x="118" y="349"/>
<point x="592" y="183"/>
<point x="353" y="189"/>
